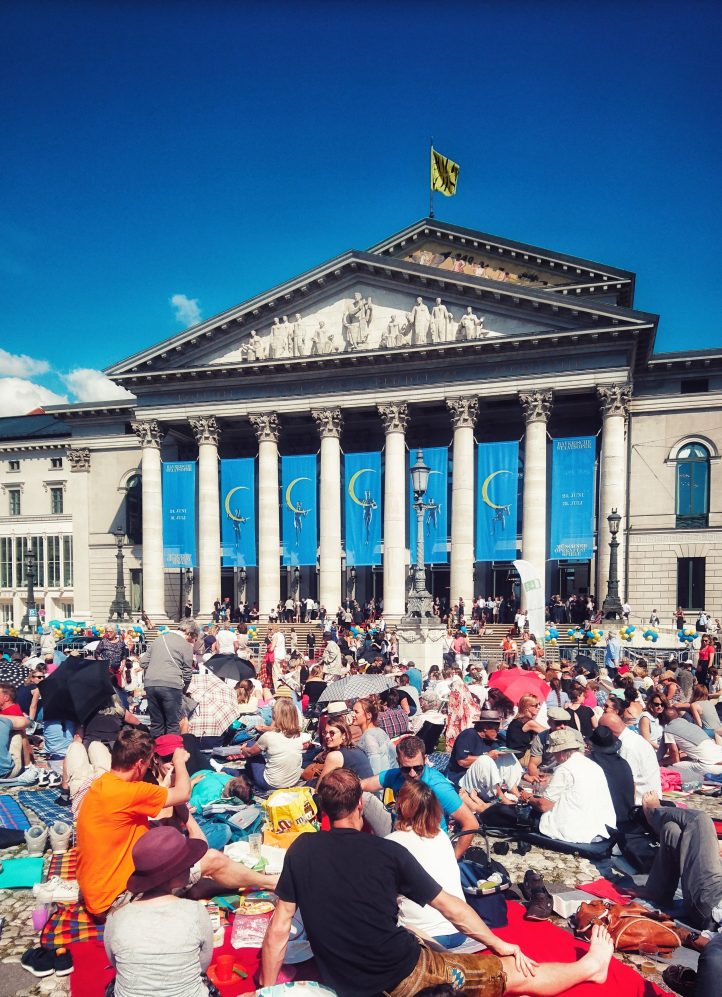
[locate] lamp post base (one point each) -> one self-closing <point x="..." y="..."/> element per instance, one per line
<point x="612" y="608"/>
<point x="419" y="606"/>
<point x="420" y="641"/>
<point x="120" y="607"/>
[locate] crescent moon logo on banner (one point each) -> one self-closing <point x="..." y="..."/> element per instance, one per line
<point x="352" y="482"/>
<point x="288" y="492"/>
<point x="227" y="502"/>
<point x="485" y="489"/>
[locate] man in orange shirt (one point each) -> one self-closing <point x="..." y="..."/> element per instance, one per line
<point x="115" y="813"/>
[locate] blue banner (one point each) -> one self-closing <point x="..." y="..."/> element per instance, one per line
<point x="497" y="481"/>
<point x="436" y="518"/>
<point x="572" y="528"/>
<point x="362" y="487"/>
<point x="299" y="516"/>
<point x="238" y="513"/>
<point x="179" y="514"/>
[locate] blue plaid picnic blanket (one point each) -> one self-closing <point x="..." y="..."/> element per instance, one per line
<point x="12" y="816"/>
<point x="42" y="802"/>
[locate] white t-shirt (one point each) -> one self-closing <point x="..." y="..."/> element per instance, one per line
<point x="583" y="806"/>
<point x="436" y="855"/>
<point x="225" y="641"/>
<point x="642" y="760"/>
<point x="279" y="646"/>
<point x="283" y="758"/>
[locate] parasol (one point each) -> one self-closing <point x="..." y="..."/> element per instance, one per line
<point x="76" y="689"/>
<point x="516" y="682"/>
<point x="356" y="687"/>
<point x="229" y="666"/>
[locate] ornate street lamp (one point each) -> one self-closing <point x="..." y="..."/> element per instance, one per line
<point x="30" y="620"/>
<point x="421" y="602"/>
<point x="119" y="607"/>
<point x="351" y="584"/>
<point x="612" y="607"/>
<point x="242" y="582"/>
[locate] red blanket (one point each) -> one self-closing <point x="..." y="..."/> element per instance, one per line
<point x="542" y="941"/>
<point x="547" y="943"/>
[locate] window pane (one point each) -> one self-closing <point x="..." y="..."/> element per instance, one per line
<point x="53" y="562"/>
<point x="67" y="561"/>
<point x="14" y="496"/>
<point x="691" y="582"/>
<point x="6" y="562"/>
<point x="56" y="501"/>
<point x="21" y="547"/>
<point x="38" y="548"/>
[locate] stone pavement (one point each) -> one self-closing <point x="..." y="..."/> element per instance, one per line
<point x="17" y="907"/>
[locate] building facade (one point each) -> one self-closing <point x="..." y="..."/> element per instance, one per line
<point x="436" y="337"/>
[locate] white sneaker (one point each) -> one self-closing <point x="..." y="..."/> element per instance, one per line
<point x="57" y="891"/>
<point x="60" y="834"/>
<point x="36" y="839"/>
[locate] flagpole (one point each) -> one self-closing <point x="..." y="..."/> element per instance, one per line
<point x="431" y="186"/>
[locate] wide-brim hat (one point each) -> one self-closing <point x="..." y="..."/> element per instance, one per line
<point x="283" y="692"/>
<point x="563" y="740"/>
<point x="337" y="707"/>
<point x="162" y="854"/>
<point x="605" y="741"/>
<point x="607" y="684"/>
<point x="488" y="718"/>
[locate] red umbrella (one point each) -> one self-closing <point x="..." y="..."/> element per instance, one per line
<point x="516" y="682"/>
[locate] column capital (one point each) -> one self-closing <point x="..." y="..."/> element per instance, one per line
<point x="395" y="416"/>
<point x="464" y="411"/>
<point x="149" y="433"/>
<point x="205" y="429"/>
<point x="329" y="421"/>
<point x="536" y="405"/>
<point x="79" y="459"/>
<point x="266" y="425"/>
<point x="614" y="399"/>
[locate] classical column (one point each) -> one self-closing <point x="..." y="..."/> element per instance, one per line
<point x="79" y="459"/>
<point x="329" y="422"/>
<point x="206" y="431"/>
<point x="463" y="417"/>
<point x="149" y="434"/>
<point x="267" y="429"/>
<point x="536" y="407"/>
<point x="614" y="402"/>
<point x="395" y="417"/>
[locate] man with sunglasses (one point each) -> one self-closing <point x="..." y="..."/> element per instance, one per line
<point x="411" y="756"/>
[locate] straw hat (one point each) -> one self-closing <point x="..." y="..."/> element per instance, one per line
<point x="563" y="740"/>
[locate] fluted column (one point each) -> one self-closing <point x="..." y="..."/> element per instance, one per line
<point x="614" y="402"/>
<point x="79" y="459"/>
<point x="464" y="412"/>
<point x="329" y="423"/>
<point x="150" y="434"/>
<point x="395" y="417"/>
<point x="267" y="429"/>
<point x="207" y="432"/>
<point x="536" y="406"/>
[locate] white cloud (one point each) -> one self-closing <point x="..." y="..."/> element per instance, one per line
<point x="18" y="396"/>
<point x="88" y="385"/>
<point x="187" y="310"/>
<point x="20" y="365"/>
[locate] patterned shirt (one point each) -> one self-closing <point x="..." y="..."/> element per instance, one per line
<point x="395" y="722"/>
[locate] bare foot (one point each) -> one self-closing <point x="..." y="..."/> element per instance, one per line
<point x="650" y="801"/>
<point x="601" y="950"/>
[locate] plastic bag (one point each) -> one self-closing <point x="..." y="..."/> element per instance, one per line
<point x="291" y="810"/>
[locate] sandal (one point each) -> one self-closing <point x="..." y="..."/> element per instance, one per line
<point x="681" y="979"/>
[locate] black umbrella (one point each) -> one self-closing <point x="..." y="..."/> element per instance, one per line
<point x="586" y="661"/>
<point x="229" y="666"/>
<point x="76" y="690"/>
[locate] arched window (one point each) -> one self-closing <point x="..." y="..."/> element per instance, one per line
<point x="693" y="485"/>
<point x="134" y="510"/>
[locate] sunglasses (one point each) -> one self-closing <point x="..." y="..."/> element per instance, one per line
<point x="408" y="769"/>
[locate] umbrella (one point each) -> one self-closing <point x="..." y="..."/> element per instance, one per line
<point x="587" y="662"/>
<point x="515" y="683"/>
<point x="356" y="687"/>
<point x="13" y="673"/>
<point x="76" y="689"/>
<point x="217" y="705"/>
<point x="229" y="666"/>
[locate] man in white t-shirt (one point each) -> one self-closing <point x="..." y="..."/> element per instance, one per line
<point x="225" y="641"/>
<point x="639" y="755"/>
<point x="577" y="804"/>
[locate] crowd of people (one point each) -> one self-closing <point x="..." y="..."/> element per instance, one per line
<point x="579" y="755"/>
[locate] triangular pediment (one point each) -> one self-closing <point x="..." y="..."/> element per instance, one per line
<point x="364" y="302"/>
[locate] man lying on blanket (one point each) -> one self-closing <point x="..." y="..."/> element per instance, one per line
<point x="365" y="952"/>
<point x="115" y="813"/>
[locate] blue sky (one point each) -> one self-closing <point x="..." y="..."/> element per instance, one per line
<point x="205" y="151"/>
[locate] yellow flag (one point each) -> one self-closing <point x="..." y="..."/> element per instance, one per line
<point x="444" y="174"/>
